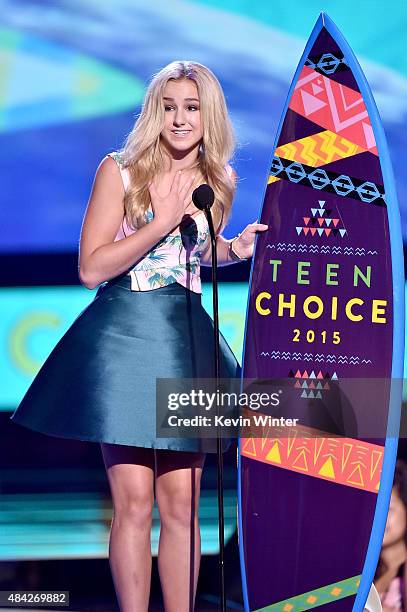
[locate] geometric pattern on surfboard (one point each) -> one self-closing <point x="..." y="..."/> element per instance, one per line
<point x="319" y="149"/>
<point x="326" y="110"/>
<point x="327" y="63"/>
<point x="326" y="180"/>
<point x="318" y="357"/>
<point x="334" y="106"/>
<point x="312" y="385"/>
<point x="345" y="461"/>
<point x="317" y="597"/>
<point x="320" y="223"/>
<point x="323" y="249"/>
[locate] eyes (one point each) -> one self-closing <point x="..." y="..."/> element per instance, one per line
<point x="190" y="107"/>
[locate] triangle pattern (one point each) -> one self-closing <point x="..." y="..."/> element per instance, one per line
<point x="311" y="103"/>
<point x="300" y="462"/>
<point x="374" y="462"/>
<point x="250" y="447"/>
<point x="346" y="451"/>
<point x="327" y="469"/>
<point x="322" y="223"/>
<point x="274" y="454"/>
<point x="316" y="89"/>
<point x="319" y="443"/>
<point x="356" y="477"/>
<point x="350" y="98"/>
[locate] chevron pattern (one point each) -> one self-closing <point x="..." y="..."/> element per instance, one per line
<point x="319" y="149"/>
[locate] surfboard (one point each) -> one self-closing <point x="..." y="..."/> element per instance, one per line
<point x="324" y="329"/>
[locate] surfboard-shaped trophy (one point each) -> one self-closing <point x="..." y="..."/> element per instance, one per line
<point x="325" y="331"/>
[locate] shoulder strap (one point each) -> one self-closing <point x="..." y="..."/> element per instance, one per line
<point x="123" y="171"/>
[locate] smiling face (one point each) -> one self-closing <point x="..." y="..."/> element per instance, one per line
<point x="182" y="131"/>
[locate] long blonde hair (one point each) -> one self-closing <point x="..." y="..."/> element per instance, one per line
<point x="143" y="155"/>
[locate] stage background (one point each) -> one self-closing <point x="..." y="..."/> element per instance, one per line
<point x="73" y="74"/>
<point x="73" y="77"/>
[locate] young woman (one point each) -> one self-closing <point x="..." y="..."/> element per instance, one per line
<point x="143" y="240"/>
<point x="390" y="579"/>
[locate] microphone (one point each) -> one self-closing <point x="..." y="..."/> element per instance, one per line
<point x="203" y="197"/>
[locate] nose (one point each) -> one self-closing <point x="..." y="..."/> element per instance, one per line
<point x="179" y="117"/>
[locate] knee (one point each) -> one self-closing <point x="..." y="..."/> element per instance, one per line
<point x="135" y="511"/>
<point x="177" y="510"/>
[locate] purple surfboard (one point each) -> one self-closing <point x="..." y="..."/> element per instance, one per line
<point x="324" y="330"/>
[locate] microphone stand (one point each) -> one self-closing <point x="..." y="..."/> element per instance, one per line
<point x="219" y="438"/>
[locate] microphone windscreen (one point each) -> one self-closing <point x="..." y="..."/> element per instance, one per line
<point x="203" y="196"/>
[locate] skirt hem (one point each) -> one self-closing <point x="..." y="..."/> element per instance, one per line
<point x="88" y="438"/>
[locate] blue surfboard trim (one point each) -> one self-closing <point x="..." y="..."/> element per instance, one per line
<point x="311" y="40"/>
<point x="396" y="247"/>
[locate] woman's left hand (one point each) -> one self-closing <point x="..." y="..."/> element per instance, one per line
<point x="244" y="244"/>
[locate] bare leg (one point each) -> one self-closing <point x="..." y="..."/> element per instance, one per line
<point x="178" y="478"/>
<point x="130" y="472"/>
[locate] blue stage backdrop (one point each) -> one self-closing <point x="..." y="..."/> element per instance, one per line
<point x="74" y="74"/>
<point x="33" y="319"/>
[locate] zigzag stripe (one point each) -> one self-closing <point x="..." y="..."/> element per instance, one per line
<point x="319" y="149"/>
<point x="323" y="249"/>
<point x="351" y="359"/>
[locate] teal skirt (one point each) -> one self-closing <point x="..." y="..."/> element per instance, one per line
<point x="99" y="382"/>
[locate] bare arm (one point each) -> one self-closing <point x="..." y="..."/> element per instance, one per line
<point x="222" y="253"/>
<point x="100" y="258"/>
<point x="243" y="245"/>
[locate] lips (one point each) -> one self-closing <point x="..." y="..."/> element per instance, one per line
<point x="180" y="133"/>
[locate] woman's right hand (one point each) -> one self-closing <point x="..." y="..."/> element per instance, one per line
<point x="169" y="211"/>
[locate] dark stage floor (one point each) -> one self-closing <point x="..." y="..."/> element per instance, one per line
<point x="91" y="589"/>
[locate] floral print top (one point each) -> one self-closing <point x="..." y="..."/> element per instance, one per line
<point x="175" y="258"/>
